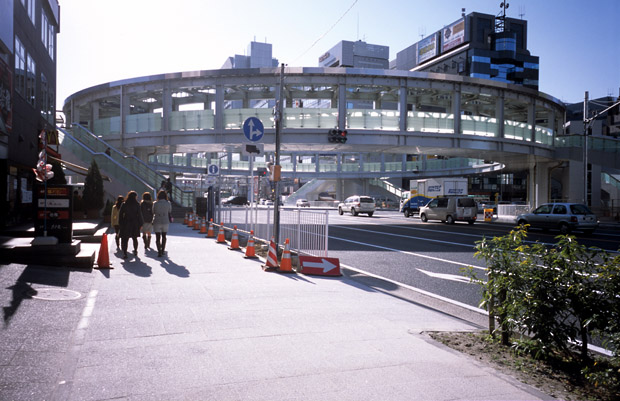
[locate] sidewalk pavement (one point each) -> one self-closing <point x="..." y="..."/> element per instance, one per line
<point x="204" y="323"/>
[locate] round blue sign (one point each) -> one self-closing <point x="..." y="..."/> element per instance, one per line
<point x="253" y="129"/>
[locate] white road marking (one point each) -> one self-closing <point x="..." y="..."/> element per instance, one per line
<point x="409" y="253"/>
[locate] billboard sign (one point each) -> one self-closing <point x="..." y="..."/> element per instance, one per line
<point x="427" y="48"/>
<point x="453" y="35"/>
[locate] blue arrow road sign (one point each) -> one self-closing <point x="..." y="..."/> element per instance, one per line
<point x="253" y="129"/>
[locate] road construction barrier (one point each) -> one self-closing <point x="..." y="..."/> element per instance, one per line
<point x="190" y="220"/>
<point x="250" y="251"/>
<point x="488" y="215"/>
<point x="210" y="232"/>
<point x="234" y="241"/>
<point x="221" y="237"/>
<point x="103" y="259"/>
<point x="185" y="221"/>
<point x="203" y="226"/>
<point x="272" y="257"/>
<point x="286" y="265"/>
<point x="197" y="223"/>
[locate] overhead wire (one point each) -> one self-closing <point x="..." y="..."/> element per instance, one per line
<point x="326" y="32"/>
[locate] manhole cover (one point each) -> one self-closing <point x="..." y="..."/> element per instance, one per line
<point x="54" y="294"/>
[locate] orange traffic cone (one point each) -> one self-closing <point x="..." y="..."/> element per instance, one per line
<point x="272" y="257"/>
<point x="203" y="226"/>
<point x="186" y="218"/>
<point x="210" y="233"/>
<point x="197" y="223"/>
<point x="103" y="259"/>
<point x="286" y="265"/>
<point x="221" y="237"/>
<point x="234" y="241"/>
<point x="250" y="252"/>
<point x="190" y="220"/>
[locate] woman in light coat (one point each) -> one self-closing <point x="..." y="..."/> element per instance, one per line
<point x="114" y="219"/>
<point x="161" y="221"/>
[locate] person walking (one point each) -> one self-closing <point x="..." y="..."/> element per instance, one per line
<point x="169" y="189"/>
<point x="114" y="219"/>
<point x="162" y="210"/>
<point x="146" y="207"/>
<point x="130" y="219"/>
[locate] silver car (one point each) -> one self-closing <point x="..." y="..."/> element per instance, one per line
<point x="357" y="204"/>
<point x="566" y="217"/>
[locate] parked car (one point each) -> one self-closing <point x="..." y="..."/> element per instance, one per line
<point x="565" y="217"/>
<point x="302" y="203"/>
<point x="235" y="200"/>
<point x="450" y="210"/>
<point x="357" y="204"/>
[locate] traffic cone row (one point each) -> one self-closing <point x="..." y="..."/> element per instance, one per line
<point x="221" y="237"/>
<point x="272" y="257"/>
<point x="197" y="223"/>
<point x="210" y="233"/>
<point x="203" y="226"/>
<point x="286" y="265"/>
<point x="234" y="241"/>
<point x="250" y="252"/>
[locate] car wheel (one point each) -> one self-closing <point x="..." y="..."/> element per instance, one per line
<point x="340" y="212"/>
<point x="423" y="218"/>
<point x="407" y="214"/>
<point x="564" y="229"/>
<point x="450" y="219"/>
<point x="370" y="214"/>
<point x="353" y="211"/>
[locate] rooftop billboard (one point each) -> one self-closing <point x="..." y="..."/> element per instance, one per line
<point x="453" y="35"/>
<point x="428" y="48"/>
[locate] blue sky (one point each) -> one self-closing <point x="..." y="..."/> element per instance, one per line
<point x="102" y="41"/>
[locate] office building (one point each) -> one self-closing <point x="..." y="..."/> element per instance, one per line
<point x="478" y="46"/>
<point x="259" y="55"/>
<point x="28" y="30"/>
<point x="357" y="54"/>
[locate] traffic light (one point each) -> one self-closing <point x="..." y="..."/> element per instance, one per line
<point x="332" y="135"/>
<point x="343" y="136"/>
<point x="337" y="136"/>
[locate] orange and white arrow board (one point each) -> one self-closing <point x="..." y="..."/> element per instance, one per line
<point x="319" y="266"/>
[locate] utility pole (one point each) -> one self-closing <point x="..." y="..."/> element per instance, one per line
<point x="278" y="118"/>
<point x="585" y="149"/>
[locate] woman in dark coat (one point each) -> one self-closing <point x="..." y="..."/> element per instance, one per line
<point x="130" y="219"/>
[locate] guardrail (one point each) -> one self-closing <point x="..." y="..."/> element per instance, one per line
<point x="307" y="230"/>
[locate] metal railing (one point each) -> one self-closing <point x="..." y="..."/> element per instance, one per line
<point x="307" y="230"/>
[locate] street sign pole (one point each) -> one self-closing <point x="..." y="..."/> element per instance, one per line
<point x="276" y="207"/>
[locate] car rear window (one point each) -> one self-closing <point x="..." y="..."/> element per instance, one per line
<point x="580" y="209"/>
<point x="367" y="200"/>
<point x="466" y="202"/>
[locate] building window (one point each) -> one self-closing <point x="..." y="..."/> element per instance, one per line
<point x="31" y="81"/>
<point x="29" y="6"/>
<point x="44" y="97"/>
<point x="20" y="67"/>
<point x="47" y="34"/>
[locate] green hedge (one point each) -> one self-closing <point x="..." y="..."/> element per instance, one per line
<point x="555" y="298"/>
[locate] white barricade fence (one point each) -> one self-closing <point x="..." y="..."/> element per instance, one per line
<point x="307" y="230"/>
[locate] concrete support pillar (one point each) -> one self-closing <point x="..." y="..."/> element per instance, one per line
<point x="339" y="190"/>
<point x="94" y="113"/>
<point x="572" y="182"/>
<point x="75" y="113"/>
<point x="219" y="108"/>
<point x="499" y="115"/>
<point x="531" y="121"/>
<point x="402" y="106"/>
<point x="538" y="184"/>
<point x="342" y="106"/>
<point x="166" y="102"/>
<point x="456" y="108"/>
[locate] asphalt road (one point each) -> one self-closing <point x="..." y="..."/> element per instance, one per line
<point x="428" y="256"/>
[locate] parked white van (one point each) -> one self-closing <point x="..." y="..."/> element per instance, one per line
<point x="450" y="210"/>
